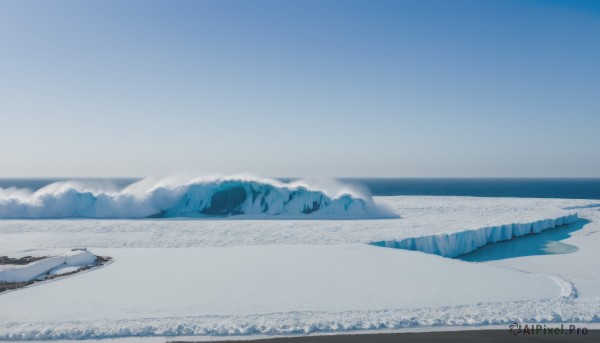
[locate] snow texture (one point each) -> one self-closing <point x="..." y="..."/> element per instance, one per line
<point x="560" y="310"/>
<point x="234" y="284"/>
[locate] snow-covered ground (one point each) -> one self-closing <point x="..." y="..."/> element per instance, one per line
<point x="420" y="216"/>
<point x="240" y="277"/>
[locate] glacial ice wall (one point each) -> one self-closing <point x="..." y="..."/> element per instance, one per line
<point x="199" y="197"/>
<point x="463" y="242"/>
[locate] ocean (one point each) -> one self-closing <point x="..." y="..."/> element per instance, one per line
<point x="566" y="188"/>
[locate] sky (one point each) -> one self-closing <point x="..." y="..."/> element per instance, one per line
<point x="300" y="88"/>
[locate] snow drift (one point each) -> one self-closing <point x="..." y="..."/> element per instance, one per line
<point x="28" y="272"/>
<point x="463" y="242"/>
<point x="195" y="197"/>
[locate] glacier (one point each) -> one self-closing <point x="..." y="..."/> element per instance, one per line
<point x="463" y="242"/>
<point x="196" y="197"/>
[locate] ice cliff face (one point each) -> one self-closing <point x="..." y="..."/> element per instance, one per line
<point x="216" y="197"/>
<point x="463" y="242"/>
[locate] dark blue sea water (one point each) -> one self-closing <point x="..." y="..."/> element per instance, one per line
<point x="580" y="188"/>
<point x="35" y="183"/>
<point x="588" y="188"/>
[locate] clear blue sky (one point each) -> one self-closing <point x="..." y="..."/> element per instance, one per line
<point x="300" y="88"/>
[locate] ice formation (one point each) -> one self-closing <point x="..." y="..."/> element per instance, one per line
<point x="199" y="197"/>
<point x="28" y="272"/>
<point x="463" y="242"/>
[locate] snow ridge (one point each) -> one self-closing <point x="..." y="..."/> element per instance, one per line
<point x="464" y="242"/>
<point x="298" y="323"/>
<point x="28" y="272"/>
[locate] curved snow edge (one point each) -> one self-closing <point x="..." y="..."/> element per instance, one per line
<point x="28" y="272"/>
<point x="464" y="242"/>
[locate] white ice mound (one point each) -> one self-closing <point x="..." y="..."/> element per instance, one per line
<point x="463" y="242"/>
<point x="28" y="272"/>
<point x="199" y="197"/>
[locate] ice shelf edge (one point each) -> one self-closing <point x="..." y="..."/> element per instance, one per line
<point x="464" y="242"/>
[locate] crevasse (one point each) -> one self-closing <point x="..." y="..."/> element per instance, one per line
<point x="464" y="242"/>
